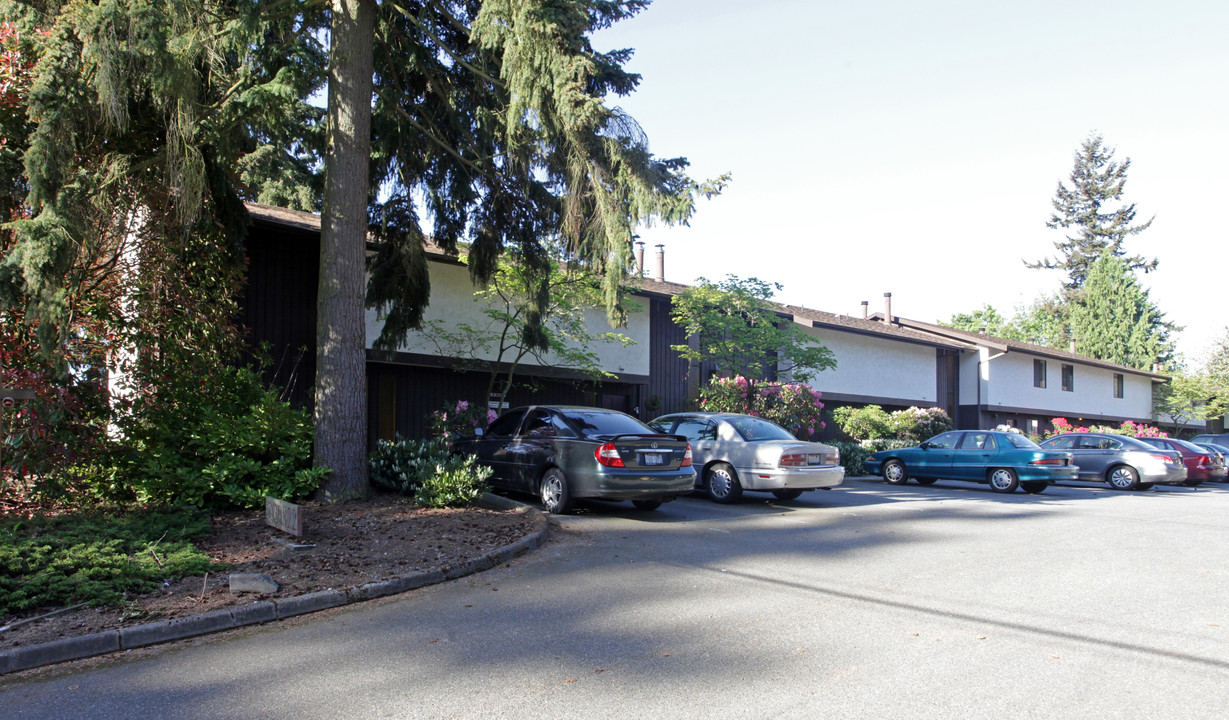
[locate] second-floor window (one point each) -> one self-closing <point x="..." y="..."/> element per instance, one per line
<point x="1118" y="385"/>
<point x="1068" y="378"/>
<point x="1039" y="373"/>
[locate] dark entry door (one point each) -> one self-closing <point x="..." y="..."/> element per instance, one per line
<point x="616" y="402"/>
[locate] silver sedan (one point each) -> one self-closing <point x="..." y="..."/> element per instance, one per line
<point x="734" y="452"/>
<point x="1123" y="462"/>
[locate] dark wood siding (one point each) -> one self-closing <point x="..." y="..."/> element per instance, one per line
<point x="278" y="307"/>
<point x="668" y="381"/>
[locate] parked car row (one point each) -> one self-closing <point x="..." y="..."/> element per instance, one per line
<point x="566" y="453"/>
<point x="1007" y="460"/>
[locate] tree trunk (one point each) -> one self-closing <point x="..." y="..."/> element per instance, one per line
<point x="341" y="389"/>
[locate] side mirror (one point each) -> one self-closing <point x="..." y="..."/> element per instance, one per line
<point x="925" y="445"/>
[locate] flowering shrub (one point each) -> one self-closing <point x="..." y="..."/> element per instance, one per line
<point x="428" y="472"/>
<point x="460" y="418"/>
<point x="1133" y="429"/>
<point x="911" y="424"/>
<point x="793" y="406"/>
<point x="916" y="424"/>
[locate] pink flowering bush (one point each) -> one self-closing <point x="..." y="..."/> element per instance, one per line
<point x="793" y="406"/>
<point x="1133" y="429"/>
<point x="458" y="419"/>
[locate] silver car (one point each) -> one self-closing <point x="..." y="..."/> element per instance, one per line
<point x="734" y="452"/>
<point x="1122" y="461"/>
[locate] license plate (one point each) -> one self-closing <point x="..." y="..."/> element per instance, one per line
<point x="654" y="458"/>
<point x="815" y="460"/>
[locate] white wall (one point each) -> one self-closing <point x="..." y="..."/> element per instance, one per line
<point x="871" y="366"/>
<point x="1011" y="385"/>
<point x="453" y="302"/>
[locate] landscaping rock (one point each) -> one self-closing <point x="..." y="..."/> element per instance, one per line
<point x="252" y="583"/>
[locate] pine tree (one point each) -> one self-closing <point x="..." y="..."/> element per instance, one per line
<point x="1083" y="210"/>
<point x="1112" y="317"/>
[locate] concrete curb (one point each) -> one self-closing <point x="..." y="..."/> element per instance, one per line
<point x="56" y="651"/>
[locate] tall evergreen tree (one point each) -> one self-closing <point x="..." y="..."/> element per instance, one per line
<point x="1085" y="210"/>
<point x="1112" y="317"/>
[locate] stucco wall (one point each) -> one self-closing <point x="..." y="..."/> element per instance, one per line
<point x="453" y="303"/>
<point x="1011" y="385"/>
<point x="877" y="368"/>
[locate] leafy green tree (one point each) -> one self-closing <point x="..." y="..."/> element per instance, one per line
<point x="1042" y="323"/>
<point x="1113" y="318"/>
<point x="497" y="343"/>
<point x="1085" y="209"/>
<point x="1189" y="397"/>
<point x="985" y="319"/>
<point x="737" y="329"/>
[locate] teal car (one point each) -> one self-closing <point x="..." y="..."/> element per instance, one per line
<point x="1003" y="460"/>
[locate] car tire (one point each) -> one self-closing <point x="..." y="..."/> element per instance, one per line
<point x="721" y="484"/>
<point x="646" y="505"/>
<point x="787" y="494"/>
<point x="1034" y="486"/>
<point x="894" y="473"/>
<point x="1146" y="486"/>
<point x="556" y="498"/>
<point x="1122" y="477"/>
<point x="1003" y="480"/>
<point x="926" y="481"/>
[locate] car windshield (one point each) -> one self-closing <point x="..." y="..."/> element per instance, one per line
<point x="1020" y="441"/>
<point x="753" y="429"/>
<point x="596" y="422"/>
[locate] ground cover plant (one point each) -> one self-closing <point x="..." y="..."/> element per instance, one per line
<point x="96" y="557"/>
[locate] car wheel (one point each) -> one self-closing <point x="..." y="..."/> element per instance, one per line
<point x="894" y="473"/>
<point x="1034" y="486"/>
<point x="1123" y="477"/>
<point x="1146" y="486"/>
<point x="926" y="481"/>
<point x="646" y="505"/>
<point x="721" y="484"/>
<point x="1003" y="480"/>
<point x="554" y="492"/>
<point x="791" y="494"/>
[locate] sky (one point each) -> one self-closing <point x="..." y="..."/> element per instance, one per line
<point x="914" y="148"/>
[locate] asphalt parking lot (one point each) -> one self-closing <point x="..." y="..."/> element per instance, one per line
<point x="868" y="601"/>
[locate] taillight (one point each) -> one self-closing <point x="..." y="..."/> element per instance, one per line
<point x="1204" y="460"/>
<point x="793" y="460"/>
<point x="608" y="455"/>
<point x="1049" y="461"/>
<point x="686" y="457"/>
<point x="1166" y="459"/>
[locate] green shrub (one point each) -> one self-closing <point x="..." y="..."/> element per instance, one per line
<point x="794" y="406"/>
<point x="96" y="557"/>
<point x="457" y="481"/>
<point x="427" y="471"/>
<point x="401" y="465"/>
<point x="863" y="423"/>
<point x="853" y="455"/>
<point x="232" y="444"/>
<point x="916" y="424"/>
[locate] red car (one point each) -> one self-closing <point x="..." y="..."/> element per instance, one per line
<point x="1201" y="465"/>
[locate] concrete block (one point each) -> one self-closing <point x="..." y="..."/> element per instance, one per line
<point x="252" y="583"/>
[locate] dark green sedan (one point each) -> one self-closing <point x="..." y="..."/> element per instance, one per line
<point x="1004" y="460"/>
<point x="563" y="453"/>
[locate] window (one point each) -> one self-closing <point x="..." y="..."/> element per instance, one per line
<point x="1118" y="385"/>
<point x="1068" y="378"/>
<point x="1039" y="373"/>
<point x="978" y="441"/>
<point x="946" y="441"/>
